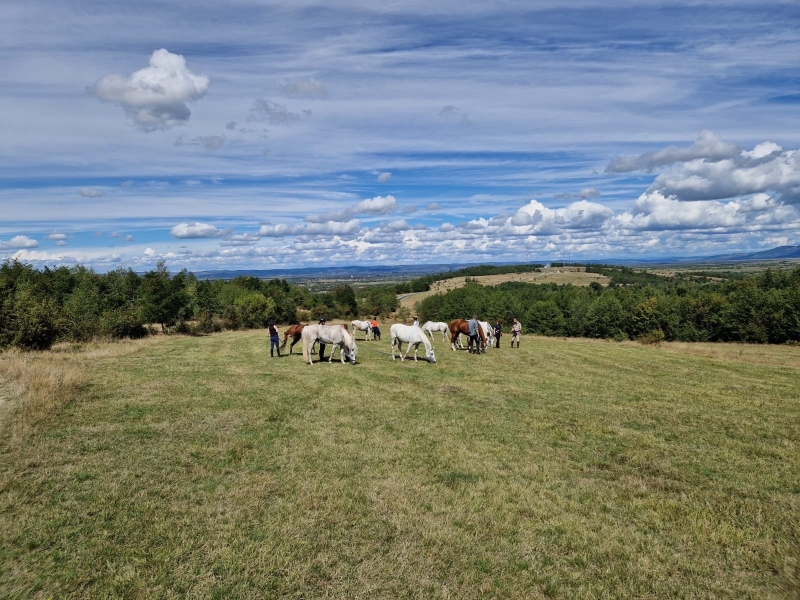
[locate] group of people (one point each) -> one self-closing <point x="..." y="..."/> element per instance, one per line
<point x="516" y="334"/>
<point x="474" y="340"/>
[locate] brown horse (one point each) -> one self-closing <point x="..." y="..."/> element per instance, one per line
<point x="294" y="332"/>
<point x="458" y="326"/>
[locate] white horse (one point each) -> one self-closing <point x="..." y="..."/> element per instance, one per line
<point x="413" y="336"/>
<point x="488" y="331"/>
<point x="365" y="326"/>
<point x="335" y="335"/>
<point x="430" y="327"/>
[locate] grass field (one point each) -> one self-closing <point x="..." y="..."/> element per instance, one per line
<point x="201" y="468"/>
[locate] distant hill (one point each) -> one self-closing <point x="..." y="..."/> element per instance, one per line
<point x="410" y="271"/>
<point x="781" y="252"/>
<point x="337" y="272"/>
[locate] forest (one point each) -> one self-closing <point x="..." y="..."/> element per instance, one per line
<point x="74" y="304"/>
<point x="761" y="308"/>
<point x="39" y="308"/>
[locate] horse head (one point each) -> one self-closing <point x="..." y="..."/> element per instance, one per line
<point x="430" y="356"/>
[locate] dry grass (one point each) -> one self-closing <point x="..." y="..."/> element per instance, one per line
<point x="559" y="275"/>
<point x="35" y="386"/>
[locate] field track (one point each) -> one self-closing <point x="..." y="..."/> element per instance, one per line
<point x="200" y="467"/>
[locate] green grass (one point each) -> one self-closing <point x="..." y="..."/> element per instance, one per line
<point x="201" y="468"/>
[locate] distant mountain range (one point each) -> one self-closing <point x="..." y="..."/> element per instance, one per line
<point x="405" y="271"/>
<point x="781" y="252"/>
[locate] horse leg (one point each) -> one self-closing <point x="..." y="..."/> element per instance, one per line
<point x="416" y="347"/>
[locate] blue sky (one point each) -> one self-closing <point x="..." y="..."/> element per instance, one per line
<point x="255" y="134"/>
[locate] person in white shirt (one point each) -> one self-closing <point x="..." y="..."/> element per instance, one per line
<point x="516" y="332"/>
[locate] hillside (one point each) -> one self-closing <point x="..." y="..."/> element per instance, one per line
<point x="199" y="467"/>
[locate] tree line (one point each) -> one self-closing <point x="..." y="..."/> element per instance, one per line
<point x="762" y="308"/>
<point x="74" y="304"/>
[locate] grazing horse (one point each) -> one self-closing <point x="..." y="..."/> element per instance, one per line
<point x="294" y="332"/>
<point x="488" y="331"/>
<point x="458" y="326"/>
<point x="431" y="326"/>
<point x="334" y="335"/>
<point x="364" y="326"/>
<point x="413" y="336"/>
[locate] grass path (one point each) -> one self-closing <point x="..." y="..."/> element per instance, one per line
<point x="201" y="468"/>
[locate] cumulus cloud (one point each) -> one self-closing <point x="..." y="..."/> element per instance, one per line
<point x="768" y="168"/>
<point x="310" y="229"/>
<point x="197" y="230"/>
<point x="409" y="209"/>
<point x="379" y="205"/>
<point x="384" y="177"/>
<point x="652" y="211"/>
<point x="19" y="242"/>
<point x="90" y="192"/>
<point x="433" y="206"/>
<point x="708" y="146"/>
<point x="156" y="97"/>
<point x="398" y="225"/>
<point x="304" y="88"/>
<point x="58" y="236"/>
<point x="265" y="109"/>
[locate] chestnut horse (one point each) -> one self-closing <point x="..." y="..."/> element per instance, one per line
<point x="462" y="326"/>
<point x="294" y="332"/>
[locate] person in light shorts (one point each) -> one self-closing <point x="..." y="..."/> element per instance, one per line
<point x="516" y="332"/>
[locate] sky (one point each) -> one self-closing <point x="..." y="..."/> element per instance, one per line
<point x="258" y="135"/>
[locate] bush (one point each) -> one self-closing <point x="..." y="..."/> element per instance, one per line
<point x="653" y="337"/>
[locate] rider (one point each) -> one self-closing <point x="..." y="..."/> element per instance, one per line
<point x="376" y="330"/>
<point x="473" y="335"/>
<point x="321" y="343"/>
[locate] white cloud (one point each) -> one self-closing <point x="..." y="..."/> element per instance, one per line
<point x="19" y="242"/>
<point x="708" y="146"/>
<point x="384" y="177"/>
<point x="379" y="205"/>
<point x="410" y="209"/>
<point x="433" y="206"/>
<point x="398" y="225"/>
<point x="304" y="88"/>
<point x="777" y="171"/>
<point x="197" y="230"/>
<point x="584" y="194"/>
<point x="210" y="142"/>
<point x="61" y="243"/>
<point x="155" y="97"/>
<point x="278" y="230"/>
<point x="57" y="236"/>
<point x="90" y="192"/>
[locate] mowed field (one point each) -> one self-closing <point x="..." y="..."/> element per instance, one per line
<point x="558" y="275"/>
<point x="198" y="467"/>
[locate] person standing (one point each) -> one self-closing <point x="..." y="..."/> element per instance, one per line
<point x="322" y="344"/>
<point x="498" y="331"/>
<point x="376" y="330"/>
<point x="416" y="321"/>
<point x="473" y="335"/>
<point x="516" y="332"/>
<point x="274" y="340"/>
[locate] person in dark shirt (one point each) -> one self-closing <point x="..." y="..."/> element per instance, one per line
<point x="321" y="344"/>
<point x="498" y="331"/>
<point x="473" y="335"/>
<point x="274" y="340"/>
